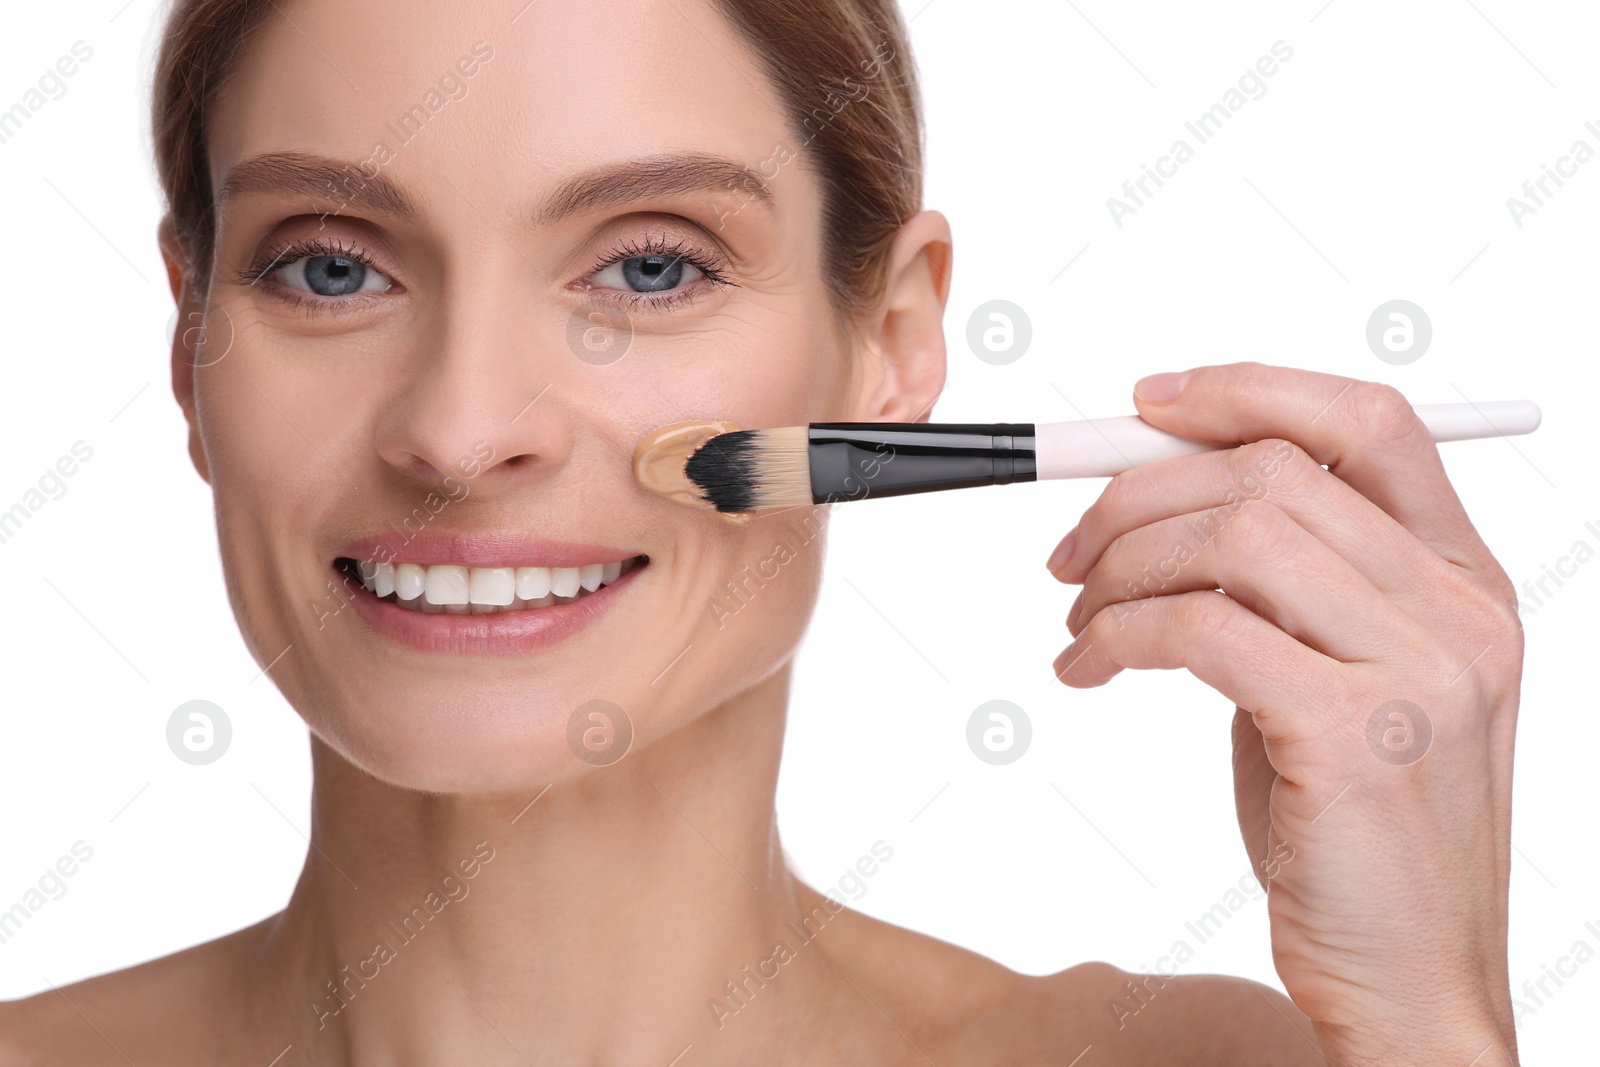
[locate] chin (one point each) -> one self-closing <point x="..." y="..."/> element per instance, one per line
<point x="444" y="744"/>
<point x="428" y="713"/>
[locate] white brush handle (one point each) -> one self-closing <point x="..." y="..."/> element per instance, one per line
<point x="1099" y="448"/>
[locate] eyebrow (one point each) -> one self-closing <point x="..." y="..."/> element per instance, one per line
<point x="317" y="176"/>
<point x="627" y="181"/>
<point x="648" y="177"/>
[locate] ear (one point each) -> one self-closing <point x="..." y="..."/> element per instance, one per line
<point x="191" y="318"/>
<point x="902" y="358"/>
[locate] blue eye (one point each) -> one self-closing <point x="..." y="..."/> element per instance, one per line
<point x="657" y="273"/>
<point x="327" y="270"/>
<point x="654" y="273"/>
<point x="332" y="276"/>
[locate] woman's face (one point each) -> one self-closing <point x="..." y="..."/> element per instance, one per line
<point x="460" y="400"/>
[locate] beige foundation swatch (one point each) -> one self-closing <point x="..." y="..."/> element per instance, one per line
<point x="659" y="457"/>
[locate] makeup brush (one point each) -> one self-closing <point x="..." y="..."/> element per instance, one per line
<point x="727" y="469"/>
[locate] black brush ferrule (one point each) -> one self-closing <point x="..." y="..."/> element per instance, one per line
<point x="855" y="460"/>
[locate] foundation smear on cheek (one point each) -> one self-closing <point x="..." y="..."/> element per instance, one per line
<point x="659" y="457"/>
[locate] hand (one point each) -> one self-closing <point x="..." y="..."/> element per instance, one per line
<point x="1371" y="645"/>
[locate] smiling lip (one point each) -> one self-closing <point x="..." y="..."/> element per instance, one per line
<point x="501" y="632"/>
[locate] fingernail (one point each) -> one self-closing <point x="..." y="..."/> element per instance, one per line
<point x="1072" y="615"/>
<point x="1063" y="553"/>
<point x="1161" y="388"/>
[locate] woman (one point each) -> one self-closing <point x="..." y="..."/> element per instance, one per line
<point x="452" y="262"/>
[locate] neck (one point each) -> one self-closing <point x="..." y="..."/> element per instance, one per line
<point x="601" y="922"/>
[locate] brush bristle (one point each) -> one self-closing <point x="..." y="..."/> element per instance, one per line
<point x="749" y="469"/>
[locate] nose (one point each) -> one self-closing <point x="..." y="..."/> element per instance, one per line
<point x="479" y="397"/>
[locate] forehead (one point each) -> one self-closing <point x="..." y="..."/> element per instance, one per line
<point x="492" y="97"/>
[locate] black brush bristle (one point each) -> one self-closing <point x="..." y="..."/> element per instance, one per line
<point x="721" y="468"/>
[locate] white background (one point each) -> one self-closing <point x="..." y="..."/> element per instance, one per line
<point x="1376" y="166"/>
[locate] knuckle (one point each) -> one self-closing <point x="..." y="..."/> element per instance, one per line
<point x="1260" y="532"/>
<point x="1096" y="515"/>
<point x="1251" y="381"/>
<point x="1117" y="488"/>
<point x="1113" y="498"/>
<point x="1115" y="549"/>
<point x="1383" y="412"/>
<point x="1296" y="460"/>
<point x="1495" y="601"/>
<point x="1274" y="464"/>
<point x="1500" y="588"/>
<point x="1249" y="373"/>
<point x="1207" y="613"/>
<point x="1485" y="604"/>
<point x="1099" y="629"/>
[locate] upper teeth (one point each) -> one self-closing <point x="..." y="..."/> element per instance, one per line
<point x="449" y="584"/>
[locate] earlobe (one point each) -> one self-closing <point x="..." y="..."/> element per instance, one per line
<point x="907" y="333"/>
<point x="182" y="357"/>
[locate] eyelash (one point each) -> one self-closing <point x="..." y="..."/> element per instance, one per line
<point x="706" y="263"/>
<point x="280" y="256"/>
<point x="284" y="255"/>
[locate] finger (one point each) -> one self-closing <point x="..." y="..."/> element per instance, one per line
<point x="1267" y="562"/>
<point x="1365" y="432"/>
<point x="1219" y="483"/>
<point x="1225" y="645"/>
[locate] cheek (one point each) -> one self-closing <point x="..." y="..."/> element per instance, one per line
<point x="259" y="464"/>
<point x="737" y="612"/>
<point x="747" y="589"/>
<point x="287" y="444"/>
<point x="775" y="358"/>
<point x="768" y="582"/>
<point x="278" y="424"/>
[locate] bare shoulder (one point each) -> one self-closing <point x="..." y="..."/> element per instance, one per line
<point x="953" y="1005"/>
<point x="1186" y="1020"/>
<point x="958" y="1006"/>
<point x="127" y="1015"/>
